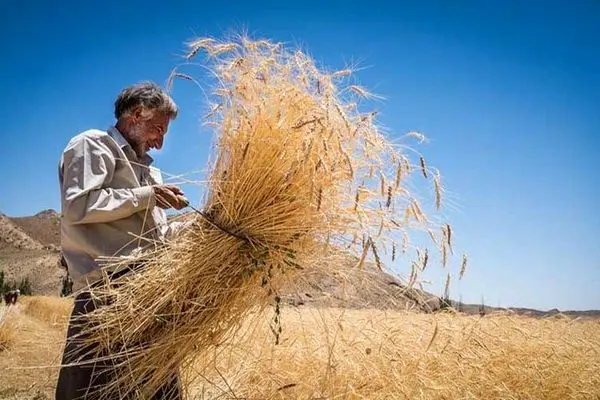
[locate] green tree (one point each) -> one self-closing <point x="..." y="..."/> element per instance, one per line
<point x="25" y="287"/>
<point x="6" y="286"/>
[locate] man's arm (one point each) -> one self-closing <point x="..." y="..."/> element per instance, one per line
<point x="86" y="168"/>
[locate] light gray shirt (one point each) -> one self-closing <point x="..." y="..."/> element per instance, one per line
<point x="108" y="204"/>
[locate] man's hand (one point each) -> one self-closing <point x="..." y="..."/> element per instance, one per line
<point x="169" y="196"/>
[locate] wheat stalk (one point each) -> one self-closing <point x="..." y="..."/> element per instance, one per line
<point x="463" y="266"/>
<point x="423" y="168"/>
<point x="438" y="191"/>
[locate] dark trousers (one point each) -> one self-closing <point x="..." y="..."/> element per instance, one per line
<point x="85" y="379"/>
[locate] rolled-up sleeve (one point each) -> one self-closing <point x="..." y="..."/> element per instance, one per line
<point x="87" y="168"/>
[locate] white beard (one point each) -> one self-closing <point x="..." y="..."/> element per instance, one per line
<point x="136" y="135"/>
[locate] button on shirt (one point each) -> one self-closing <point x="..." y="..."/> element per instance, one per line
<point x="108" y="204"/>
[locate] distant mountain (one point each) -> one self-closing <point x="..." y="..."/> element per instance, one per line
<point x="473" y="309"/>
<point x="554" y="311"/>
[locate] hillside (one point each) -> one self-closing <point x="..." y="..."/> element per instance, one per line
<point x="13" y="235"/>
<point x="43" y="227"/>
<point x="22" y="256"/>
<point x="349" y="287"/>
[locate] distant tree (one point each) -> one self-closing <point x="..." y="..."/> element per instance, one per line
<point x="460" y="304"/>
<point x="7" y="286"/>
<point x="25" y="287"/>
<point x="482" y="307"/>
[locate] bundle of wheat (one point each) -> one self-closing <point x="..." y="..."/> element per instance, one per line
<point x="300" y="175"/>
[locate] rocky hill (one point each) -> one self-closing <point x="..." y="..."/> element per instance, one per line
<point x="350" y="287"/>
<point x="23" y="256"/>
<point x="13" y="235"/>
<point x="43" y="227"/>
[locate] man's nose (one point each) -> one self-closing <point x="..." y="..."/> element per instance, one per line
<point x="159" y="142"/>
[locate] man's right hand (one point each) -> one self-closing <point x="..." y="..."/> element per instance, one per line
<point x="169" y="196"/>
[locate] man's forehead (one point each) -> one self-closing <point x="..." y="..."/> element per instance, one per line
<point x="160" y="118"/>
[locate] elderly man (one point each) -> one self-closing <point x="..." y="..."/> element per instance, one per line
<point x="113" y="204"/>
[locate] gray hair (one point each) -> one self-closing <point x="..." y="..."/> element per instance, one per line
<point x="147" y="95"/>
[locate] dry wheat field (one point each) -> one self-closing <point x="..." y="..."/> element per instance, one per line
<point x="327" y="353"/>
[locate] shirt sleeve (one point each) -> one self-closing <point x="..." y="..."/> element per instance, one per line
<point x="87" y="167"/>
<point x="175" y="228"/>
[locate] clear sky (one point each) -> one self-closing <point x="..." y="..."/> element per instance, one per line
<point x="508" y="92"/>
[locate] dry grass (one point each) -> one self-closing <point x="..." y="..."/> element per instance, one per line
<point x="52" y="310"/>
<point x="371" y="354"/>
<point x="29" y="367"/>
<point x="355" y="354"/>
<point x="8" y="333"/>
<point x="298" y="176"/>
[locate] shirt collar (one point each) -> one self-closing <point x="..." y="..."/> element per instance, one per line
<point x="122" y="142"/>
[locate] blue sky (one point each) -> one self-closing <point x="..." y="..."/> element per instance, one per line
<point x="508" y="93"/>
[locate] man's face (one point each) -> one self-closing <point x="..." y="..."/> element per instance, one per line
<point x="149" y="133"/>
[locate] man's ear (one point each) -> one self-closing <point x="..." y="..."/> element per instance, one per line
<point x="136" y="115"/>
